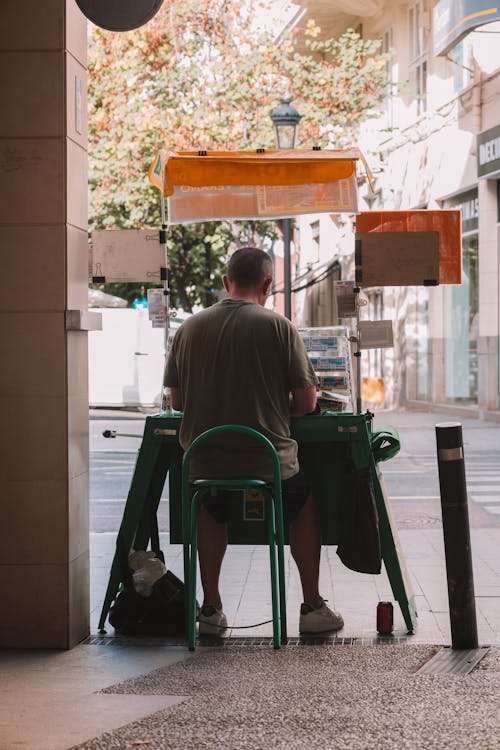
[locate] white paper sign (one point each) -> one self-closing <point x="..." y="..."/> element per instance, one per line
<point x="346" y="299"/>
<point x="375" y="334"/>
<point x="120" y="255"/>
<point x="156" y="307"/>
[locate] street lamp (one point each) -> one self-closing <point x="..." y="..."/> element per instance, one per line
<point x="285" y="120"/>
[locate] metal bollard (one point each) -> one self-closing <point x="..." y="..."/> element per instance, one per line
<point x="456" y="535"/>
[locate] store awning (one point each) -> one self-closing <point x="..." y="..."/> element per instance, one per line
<point x="203" y="186"/>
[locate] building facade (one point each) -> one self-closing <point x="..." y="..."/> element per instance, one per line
<point x="436" y="145"/>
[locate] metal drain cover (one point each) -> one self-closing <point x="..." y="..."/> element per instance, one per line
<point x="454" y="661"/>
<point x="242" y="641"/>
<point x="124" y="640"/>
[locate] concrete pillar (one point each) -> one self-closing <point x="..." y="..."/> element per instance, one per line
<point x="44" y="557"/>
<point x="488" y="296"/>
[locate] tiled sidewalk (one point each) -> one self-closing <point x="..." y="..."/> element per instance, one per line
<point x="246" y="588"/>
<point x="51" y="700"/>
<point x="413" y="491"/>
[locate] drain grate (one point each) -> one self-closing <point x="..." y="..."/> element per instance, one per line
<point x="240" y="642"/>
<point x="301" y="641"/>
<point x="454" y="661"/>
<point x="128" y="640"/>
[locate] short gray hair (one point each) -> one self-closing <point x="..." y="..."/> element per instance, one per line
<point x="249" y="267"/>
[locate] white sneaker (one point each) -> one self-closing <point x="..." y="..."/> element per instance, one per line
<point x="319" y="619"/>
<point x="212" y="621"/>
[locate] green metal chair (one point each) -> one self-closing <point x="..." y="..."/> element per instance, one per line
<point x="193" y="493"/>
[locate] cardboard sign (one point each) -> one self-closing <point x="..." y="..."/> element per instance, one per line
<point x="447" y="223"/>
<point x="120" y="255"/>
<point x="397" y="259"/>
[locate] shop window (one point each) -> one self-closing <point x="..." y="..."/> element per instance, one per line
<point x="387" y="49"/>
<point x="461" y="59"/>
<point x="422" y="344"/>
<point x="374" y="357"/>
<point x="315" y="235"/>
<point x="461" y="330"/>
<point x="498" y="344"/>
<point x="417" y="26"/>
<point x="498" y="274"/>
<point x="419" y="79"/>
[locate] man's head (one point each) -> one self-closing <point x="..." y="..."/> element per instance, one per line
<point x="249" y="275"/>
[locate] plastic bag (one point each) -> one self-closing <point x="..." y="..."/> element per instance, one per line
<point x="147" y="570"/>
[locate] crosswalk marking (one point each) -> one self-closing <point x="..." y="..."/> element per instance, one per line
<point x="476" y="469"/>
<point x="414" y="497"/>
<point x="103" y="459"/>
<point x="482" y="475"/>
<point x="117" y="500"/>
<point x="116" y="472"/>
<point x="479" y="488"/>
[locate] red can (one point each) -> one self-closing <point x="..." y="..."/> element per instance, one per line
<point x="385" y="618"/>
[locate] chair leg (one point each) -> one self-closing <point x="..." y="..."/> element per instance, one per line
<point x="280" y="540"/>
<point x="271" y="534"/>
<point x="193" y="560"/>
<point x="187" y="579"/>
<point x="186" y="530"/>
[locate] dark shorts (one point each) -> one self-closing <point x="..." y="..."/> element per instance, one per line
<point x="294" y="492"/>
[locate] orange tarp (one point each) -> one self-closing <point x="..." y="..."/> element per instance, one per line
<point x="188" y="204"/>
<point x="273" y="168"/>
<point x="279" y="168"/>
<point x="446" y="222"/>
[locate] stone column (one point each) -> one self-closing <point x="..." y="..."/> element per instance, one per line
<point x="44" y="556"/>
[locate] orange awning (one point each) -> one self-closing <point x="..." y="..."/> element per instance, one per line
<point x="248" y="184"/>
<point x="219" y="168"/>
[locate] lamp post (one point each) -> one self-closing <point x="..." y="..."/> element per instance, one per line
<point x="285" y="120"/>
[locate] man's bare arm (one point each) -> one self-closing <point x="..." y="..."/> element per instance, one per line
<point x="175" y="398"/>
<point x="302" y="401"/>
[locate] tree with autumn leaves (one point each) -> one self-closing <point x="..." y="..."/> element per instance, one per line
<point x="205" y="74"/>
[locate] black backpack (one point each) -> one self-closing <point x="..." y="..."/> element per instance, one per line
<point x="162" y="613"/>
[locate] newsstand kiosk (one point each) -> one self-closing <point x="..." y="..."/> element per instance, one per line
<point x="338" y="443"/>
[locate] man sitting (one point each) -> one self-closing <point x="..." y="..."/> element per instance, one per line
<point x="241" y="363"/>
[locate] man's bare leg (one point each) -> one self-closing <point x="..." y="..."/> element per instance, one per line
<point x="212" y="543"/>
<point x="305" y="545"/>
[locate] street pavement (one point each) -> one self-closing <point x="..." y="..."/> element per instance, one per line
<point x="411" y="480"/>
<point x="412" y="477"/>
<point x="355" y="691"/>
<point x="112" y="462"/>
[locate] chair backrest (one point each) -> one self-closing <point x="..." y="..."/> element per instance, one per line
<point x="232" y="428"/>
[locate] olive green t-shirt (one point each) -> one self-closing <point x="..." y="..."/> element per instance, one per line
<point x="236" y="363"/>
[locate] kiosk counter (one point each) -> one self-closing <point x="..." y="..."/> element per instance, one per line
<point x="332" y="447"/>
